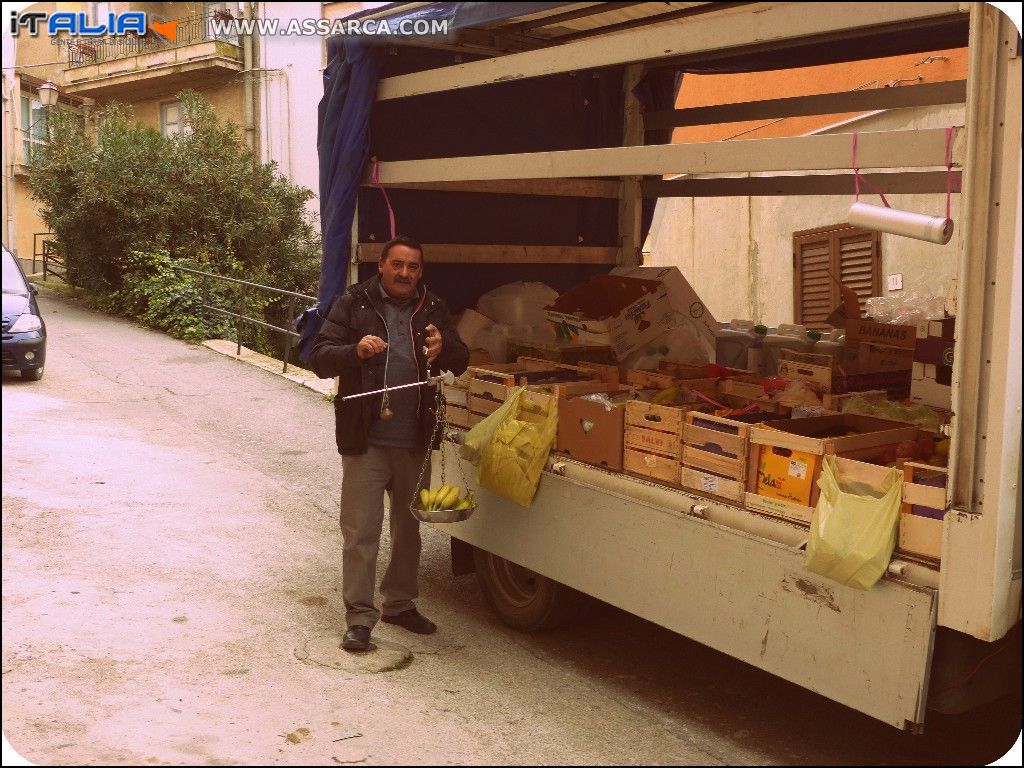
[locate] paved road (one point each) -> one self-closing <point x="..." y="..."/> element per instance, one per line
<point x="170" y="595"/>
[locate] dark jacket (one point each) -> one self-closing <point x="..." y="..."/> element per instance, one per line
<point x="357" y="313"/>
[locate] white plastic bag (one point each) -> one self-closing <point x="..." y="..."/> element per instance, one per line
<point x="518" y="303"/>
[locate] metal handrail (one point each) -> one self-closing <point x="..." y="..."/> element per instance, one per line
<point x="52" y="263"/>
<point x="39" y="247"/>
<point x="241" y="317"/>
<point x="189" y="30"/>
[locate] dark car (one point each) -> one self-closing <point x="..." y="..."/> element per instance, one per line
<point x="24" y="329"/>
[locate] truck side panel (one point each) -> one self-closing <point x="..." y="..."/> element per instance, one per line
<point x="870" y="650"/>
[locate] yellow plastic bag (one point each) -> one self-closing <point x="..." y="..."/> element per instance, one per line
<point x="514" y="448"/>
<point x="482" y="433"/>
<point x="853" y="528"/>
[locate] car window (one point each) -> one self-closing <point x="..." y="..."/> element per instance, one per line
<point x="13" y="281"/>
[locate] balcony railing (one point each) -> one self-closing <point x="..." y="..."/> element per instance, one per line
<point x="189" y="31"/>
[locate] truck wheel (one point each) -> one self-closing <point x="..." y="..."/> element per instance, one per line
<point x="523" y="599"/>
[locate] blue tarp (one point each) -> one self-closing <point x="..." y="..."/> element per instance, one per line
<point x="350" y="85"/>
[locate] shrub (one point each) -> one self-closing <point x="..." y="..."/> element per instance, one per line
<point x="127" y="205"/>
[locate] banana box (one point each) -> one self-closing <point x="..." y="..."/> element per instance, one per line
<point x="591" y="427"/>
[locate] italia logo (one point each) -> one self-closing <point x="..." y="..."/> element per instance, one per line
<point x="77" y="24"/>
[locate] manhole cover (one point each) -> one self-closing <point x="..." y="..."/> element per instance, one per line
<point x="326" y="651"/>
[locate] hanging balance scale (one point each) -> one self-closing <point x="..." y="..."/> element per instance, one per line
<point x="444" y="504"/>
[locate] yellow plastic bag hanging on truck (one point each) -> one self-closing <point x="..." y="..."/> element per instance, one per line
<point x="513" y="448"/>
<point x="854" y="526"/>
<point x="482" y="433"/>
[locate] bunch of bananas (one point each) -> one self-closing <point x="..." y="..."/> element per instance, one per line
<point x="445" y="497"/>
<point x="667" y="396"/>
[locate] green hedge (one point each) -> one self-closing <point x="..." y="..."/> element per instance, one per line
<point x="128" y="203"/>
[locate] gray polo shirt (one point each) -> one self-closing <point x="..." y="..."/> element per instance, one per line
<point x="402" y="430"/>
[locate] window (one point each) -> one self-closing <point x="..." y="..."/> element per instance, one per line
<point x="850" y="254"/>
<point x="33" y="126"/>
<point x="170" y="118"/>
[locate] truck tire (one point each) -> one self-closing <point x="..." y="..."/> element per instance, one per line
<point x="523" y="599"/>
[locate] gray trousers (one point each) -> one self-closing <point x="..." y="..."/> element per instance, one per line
<point x="364" y="481"/>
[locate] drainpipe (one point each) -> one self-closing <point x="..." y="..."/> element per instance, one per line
<point x="248" y="116"/>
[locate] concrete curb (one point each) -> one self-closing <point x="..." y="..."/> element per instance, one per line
<point x="301" y="376"/>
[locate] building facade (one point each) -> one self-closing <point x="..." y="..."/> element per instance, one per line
<point x="269" y="85"/>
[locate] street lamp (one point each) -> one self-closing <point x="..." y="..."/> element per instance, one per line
<point x="48" y="94"/>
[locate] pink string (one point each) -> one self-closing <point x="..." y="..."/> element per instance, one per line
<point x="949" y="168"/>
<point x="857" y="178"/>
<point x="387" y="200"/>
<point x="709" y="400"/>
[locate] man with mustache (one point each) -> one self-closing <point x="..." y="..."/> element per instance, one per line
<point x="387" y="330"/>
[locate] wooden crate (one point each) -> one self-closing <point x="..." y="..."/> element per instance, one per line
<point x="798" y="513"/>
<point x="652" y="466"/>
<point x="457" y="416"/>
<point x="574" y="354"/>
<point x="711" y="484"/>
<point x="484" y="406"/>
<point x="870" y="474"/>
<point x="654" y="428"/>
<point x="717" y="445"/>
<point x="739" y="392"/>
<point x="836" y="402"/>
<point x="919" y="534"/>
<point x="778" y="443"/>
<point x="686" y="371"/>
<point x="648" y="379"/>
<point x="496" y="381"/>
<point x="455" y="395"/>
<point x="659" y="380"/>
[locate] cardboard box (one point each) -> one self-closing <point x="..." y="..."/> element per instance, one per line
<point x="876" y="355"/>
<point x="786" y="474"/>
<point x="591" y="433"/>
<point x="932" y="375"/>
<point x="629" y="307"/>
<point x="686" y="305"/>
<point x="617" y="311"/>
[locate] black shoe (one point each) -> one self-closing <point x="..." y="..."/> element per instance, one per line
<point x="357" y="638"/>
<point x="412" y="620"/>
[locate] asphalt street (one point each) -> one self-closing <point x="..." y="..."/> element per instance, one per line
<point x="171" y="595"/>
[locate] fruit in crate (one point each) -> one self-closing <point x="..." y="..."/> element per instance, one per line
<point x="445" y="497"/>
<point x="926" y="445"/>
<point x="666" y="396"/>
<point x="942" y="448"/>
<point x="908" y="449"/>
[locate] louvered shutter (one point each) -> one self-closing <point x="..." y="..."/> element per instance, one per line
<point x="851" y="254"/>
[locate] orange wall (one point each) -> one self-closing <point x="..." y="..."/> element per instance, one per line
<point x="706" y="90"/>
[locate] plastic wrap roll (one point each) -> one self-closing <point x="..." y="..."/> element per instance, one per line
<point x="934" y="229"/>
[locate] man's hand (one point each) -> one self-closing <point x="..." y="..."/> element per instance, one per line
<point x="369" y="346"/>
<point x="433" y="345"/>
